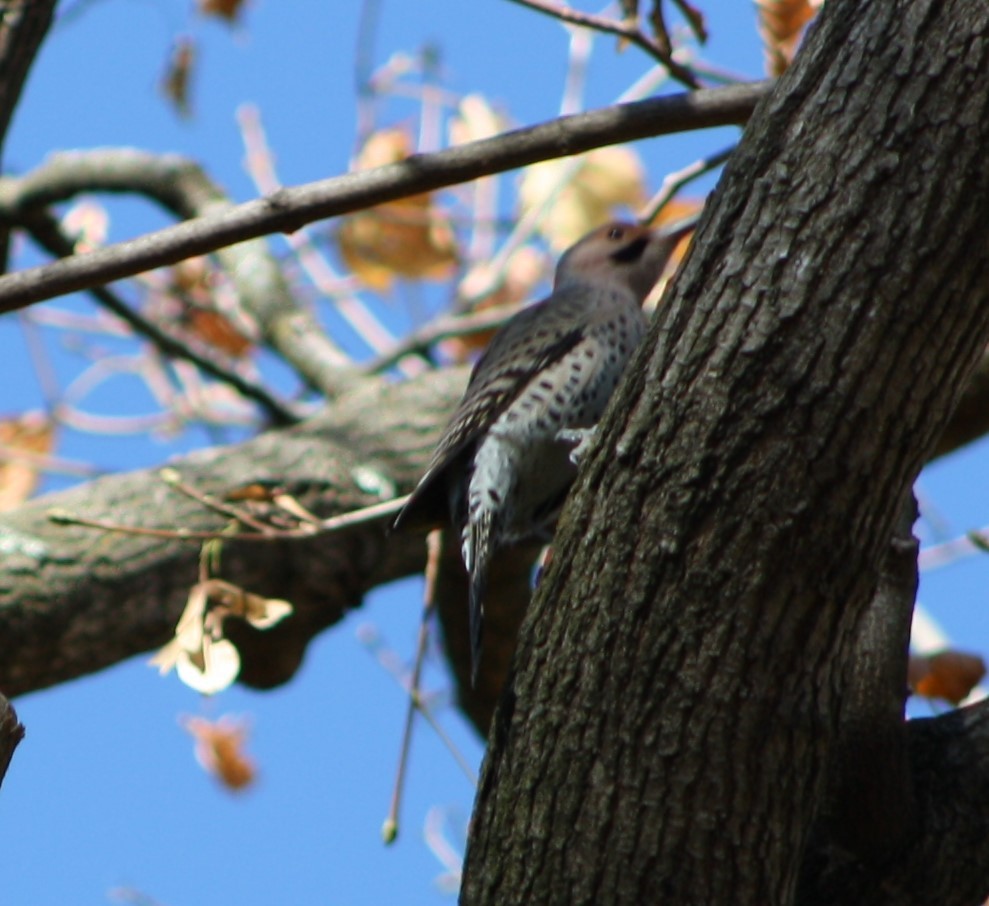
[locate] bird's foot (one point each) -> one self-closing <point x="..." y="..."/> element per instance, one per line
<point x="581" y="437"/>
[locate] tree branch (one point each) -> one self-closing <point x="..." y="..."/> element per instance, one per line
<point x="46" y="231"/>
<point x="290" y="208"/>
<point x="11" y="733"/>
<point x="970" y="418"/>
<point x="23" y="27"/>
<point x="870" y="808"/>
<point x="182" y="188"/>
<point x="944" y="860"/>
<point x="626" y="31"/>
<point x="73" y="601"/>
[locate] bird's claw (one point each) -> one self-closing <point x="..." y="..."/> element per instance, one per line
<point x="581" y="437"/>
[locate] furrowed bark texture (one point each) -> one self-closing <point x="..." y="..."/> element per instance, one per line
<point x="667" y="731"/>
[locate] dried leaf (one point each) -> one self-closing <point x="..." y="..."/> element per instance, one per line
<point x="781" y="26"/>
<point x="411" y="237"/>
<point x="210" y="670"/>
<point x="192" y="283"/>
<point x="262" y="491"/>
<point x="178" y="76"/>
<point x="203" y="659"/>
<point x="949" y="675"/>
<point x="607" y="178"/>
<point x="22" y="439"/>
<point x="475" y="119"/>
<point x="228" y="10"/>
<point x="220" y="750"/>
<point x="218" y="331"/>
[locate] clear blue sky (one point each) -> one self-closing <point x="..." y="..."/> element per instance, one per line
<point x="104" y="792"/>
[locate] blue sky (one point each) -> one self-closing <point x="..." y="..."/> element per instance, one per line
<point x="104" y="792"/>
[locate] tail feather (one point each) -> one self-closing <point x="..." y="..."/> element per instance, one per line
<point x="477" y="552"/>
<point x="476" y="626"/>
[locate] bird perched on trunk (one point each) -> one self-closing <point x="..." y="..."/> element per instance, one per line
<point x="506" y="460"/>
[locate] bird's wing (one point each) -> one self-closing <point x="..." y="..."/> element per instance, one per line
<point x="528" y="344"/>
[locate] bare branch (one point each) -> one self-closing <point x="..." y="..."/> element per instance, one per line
<point x="443" y="328"/>
<point x="23" y="27"/>
<point x="291" y="208"/>
<point x="72" y="601"/>
<point x="45" y="230"/>
<point x="674" y="182"/>
<point x="181" y="187"/>
<point x="658" y="49"/>
<point x="346" y="302"/>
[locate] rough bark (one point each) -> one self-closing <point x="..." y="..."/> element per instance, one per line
<point x="669" y="730"/>
<point x="804" y="276"/>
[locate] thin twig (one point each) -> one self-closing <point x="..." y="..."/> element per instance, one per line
<point x="694" y="18"/>
<point x="46" y="231"/>
<point x="183" y="188"/>
<point x="674" y="182"/>
<point x="260" y="165"/>
<point x="52" y="465"/>
<point x="947" y="552"/>
<point x="629" y="32"/>
<point x="172" y="478"/>
<point x="389" y="830"/>
<point x="291" y="208"/>
<point x="333" y="524"/>
<point x="443" y="328"/>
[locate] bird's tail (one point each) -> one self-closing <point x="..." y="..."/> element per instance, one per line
<point x="477" y="552"/>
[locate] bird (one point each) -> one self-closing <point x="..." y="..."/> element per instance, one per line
<point x="506" y="460"/>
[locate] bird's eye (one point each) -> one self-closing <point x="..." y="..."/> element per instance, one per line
<point x="616" y="233"/>
<point x="630" y="252"/>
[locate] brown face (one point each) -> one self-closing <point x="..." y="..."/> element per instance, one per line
<point x="622" y="254"/>
<point x="626" y="243"/>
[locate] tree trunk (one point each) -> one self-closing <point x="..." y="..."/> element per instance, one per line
<point x="674" y="730"/>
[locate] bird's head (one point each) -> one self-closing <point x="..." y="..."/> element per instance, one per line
<point x="618" y="254"/>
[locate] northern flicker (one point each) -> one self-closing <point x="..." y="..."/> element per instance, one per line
<point x="505" y="462"/>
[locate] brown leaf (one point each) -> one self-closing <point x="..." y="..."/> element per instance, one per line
<point x="228" y="10"/>
<point x="32" y="434"/>
<point x="781" y="26"/>
<point x="220" y="750"/>
<point x="950" y="675"/>
<point x="605" y="179"/>
<point x="411" y="237"/>
<point x="256" y="491"/>
<point x="475" y="119"/>
<point x="191" y="281"/>
<point x="217" y="331"/>
<point x="178" y="76"/>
